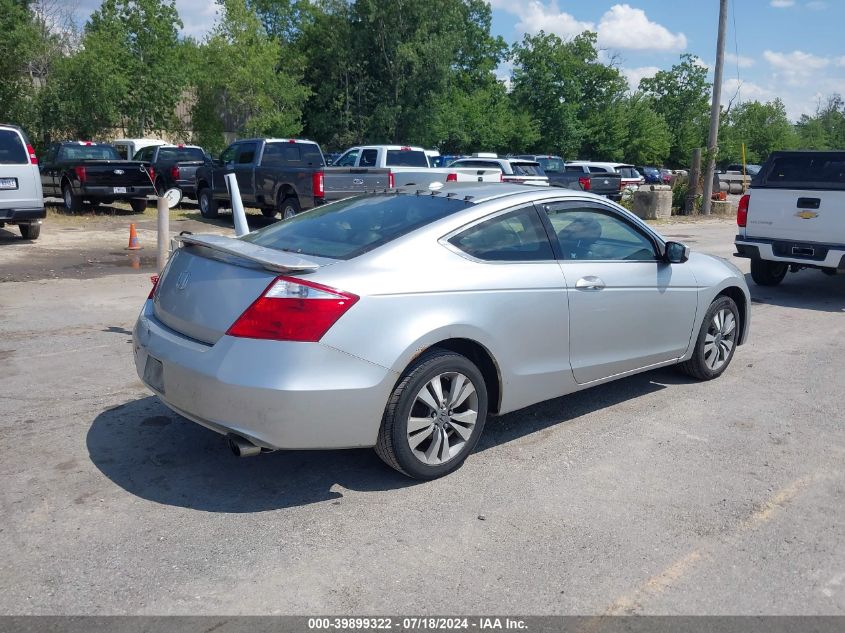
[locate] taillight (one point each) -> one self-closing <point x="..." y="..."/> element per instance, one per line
<point x="154" y="280"/>
<point x="81" y="174"/>
<point x="391" y="181"/>
<point x="293" y="310"/>
<point x="452" y="177"/>
<point x="318" y="184"/>
<point x="175" y="173"/>
<point x="742" y="211"/>
<point x="584" y="181"/>
<point x="501" y="176"/>
<point x="33" y="159"/>
<point x="621" y="186"/>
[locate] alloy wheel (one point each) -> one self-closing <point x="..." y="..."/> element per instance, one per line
<point x="720" y="339"/>
<point x="442" y="418"/>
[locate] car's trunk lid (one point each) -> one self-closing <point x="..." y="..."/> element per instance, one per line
<point x="212" y="279"/>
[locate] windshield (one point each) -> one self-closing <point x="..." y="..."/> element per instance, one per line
<point x="88" y="152"/>
<point x="348" y="228"/>
<point x="179" y="154"/>
<point x="551" y="164"/>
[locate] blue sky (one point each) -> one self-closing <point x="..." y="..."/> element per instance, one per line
<point x="792" y="49"/>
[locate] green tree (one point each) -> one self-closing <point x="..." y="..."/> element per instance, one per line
<point x="244" y="83"/>
<point x="648" y="139"/>
<point x="826" y="129"/>
<point x="574" y="98"/>
<point x="762" y="127"/>
<point x="682" y="96"/>
<point x="19" y="43"/>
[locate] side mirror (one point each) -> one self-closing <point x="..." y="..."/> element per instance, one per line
<point x="675" y="253"/>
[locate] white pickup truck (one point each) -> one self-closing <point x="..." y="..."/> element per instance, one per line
<point x="794" y="216"/>
<point x="372" y="167"/>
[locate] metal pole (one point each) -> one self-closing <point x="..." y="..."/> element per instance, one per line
<point x="743" y="168"/>
<point x="692" y="183"/>
<point x="238" y="213"/>
<point x="163" y="232"/>
<point x="715" y="108"/>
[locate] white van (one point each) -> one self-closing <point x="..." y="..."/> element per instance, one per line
<point x="127" y="147"/>
<point x="21" y="197"/>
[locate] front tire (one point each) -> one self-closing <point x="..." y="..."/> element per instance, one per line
<point x="716" y="342"/>
<point x="765" y="273"/>
<point x="208" y="205"/>
<point x="139" y="205"/>
<point x="30" y="231"/>
<point x="434" y="416"/>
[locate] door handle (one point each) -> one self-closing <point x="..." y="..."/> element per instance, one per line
<point x="589" y="283"/>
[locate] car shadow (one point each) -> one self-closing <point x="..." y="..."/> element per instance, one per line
<point x="809" y="289"/>
<point x="155" y="454"/>
<point x="255" y="221"/>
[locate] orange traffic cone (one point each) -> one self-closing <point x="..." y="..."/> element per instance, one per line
<point x="134" y="245"/>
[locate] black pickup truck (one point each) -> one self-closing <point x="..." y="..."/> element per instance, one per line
<point x="579" y="177"/>
<point x="78" y="171"/>
<point x="174" y="166"/>
<point x="274" y="175"/>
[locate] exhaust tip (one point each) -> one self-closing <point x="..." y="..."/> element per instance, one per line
<point x="241" y="447"/>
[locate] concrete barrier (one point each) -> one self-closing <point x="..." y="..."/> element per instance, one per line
<point x="651" y="202"/>
<point x="722" y="207"/>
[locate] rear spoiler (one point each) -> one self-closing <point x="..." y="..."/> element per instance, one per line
<point x="269" y="258"/>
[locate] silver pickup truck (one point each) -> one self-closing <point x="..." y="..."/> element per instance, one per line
<point x="373" y="167"/>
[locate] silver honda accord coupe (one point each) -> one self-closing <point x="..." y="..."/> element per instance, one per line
<point x="399" y="320"/>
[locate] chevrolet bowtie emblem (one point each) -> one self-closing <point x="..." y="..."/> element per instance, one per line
<point x="806" y="215"/>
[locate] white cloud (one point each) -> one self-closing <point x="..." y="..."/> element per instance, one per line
<point x="634" y="75"/>
<point x="817" y="5"/>
<point x="198" y="16"/>
<point x="797" y="67"/>
<point x="536" y="17"/>
<point x="626" y="27"/>
<point x="782" y="4"/>
<point x="739" y="60"/>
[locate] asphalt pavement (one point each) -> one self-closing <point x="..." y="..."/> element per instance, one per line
<point x="652" y="495"/>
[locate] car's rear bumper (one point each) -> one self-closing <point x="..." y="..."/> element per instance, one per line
<point x="810" y="254"/>
<point x="107" y="193"/>
<point x="23" y="216"/>
<point x="277" y="394"/>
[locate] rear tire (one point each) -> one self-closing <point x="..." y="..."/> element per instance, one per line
<point x="72" y="202"/>
<point x="426" y="441"/>
<point x="139" y="205"/>
<point x="716" y="342"/>
<point x="208" y="205"/>
<point x="30" y="231"/>
<point x="766" y="273"/>
<point x="289" y="208"/>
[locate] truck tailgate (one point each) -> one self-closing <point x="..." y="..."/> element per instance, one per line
<point x="342" y="182"/>
<point x="809" y="215"/>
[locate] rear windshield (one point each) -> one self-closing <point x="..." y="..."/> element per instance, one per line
<point x="823" y="170"/>
<point x="346" y="229"/>
<point x="180" y="154"/>
<point x="292" y="154"/>
<point x="406" y="158"/>
<point x="551" y="164"/>
<point x="12" y="151"/>
<point x="88" y="152"/>
<point x="527" y="169"/>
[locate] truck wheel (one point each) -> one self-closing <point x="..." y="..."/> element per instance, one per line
<point x="765" y="273"/>
<point x="30" y="231"/>
<point x="434" y="417"/>
<point x="716" y="342"/>
<point x="72" y="202"/>
<point x="139" y="205"/>
<point x="290" y="207"/>
<point x="208" y="205"/>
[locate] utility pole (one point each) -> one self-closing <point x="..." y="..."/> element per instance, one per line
<point x="715" y="109"/>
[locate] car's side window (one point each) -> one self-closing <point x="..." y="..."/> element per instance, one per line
<point x="246" y="155"/>
<point x="368" y="158"/>
<point x="518" y="236"/>
<point x="348" y="159"/>
<point x="589" y="233"/>
<point x="228" y="155"/>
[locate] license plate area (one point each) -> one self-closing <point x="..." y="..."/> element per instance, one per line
<point x="8" y="183"/>
<point x="120" y="190"/>
<point x="803" y="251"/>
<point x="154" y="374"/>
